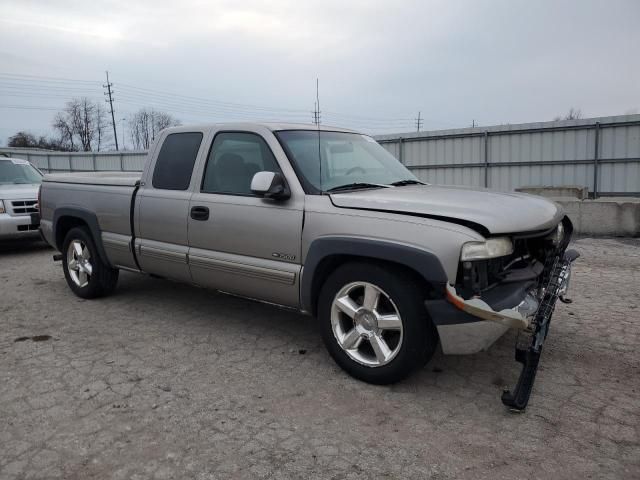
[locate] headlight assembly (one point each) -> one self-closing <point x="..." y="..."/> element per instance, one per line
<point x="491" y="248"/>
<point x="558" y="235"/>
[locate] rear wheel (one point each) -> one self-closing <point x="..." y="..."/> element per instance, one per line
<point x="374" y="323"/>
<point x="86" y="273"/>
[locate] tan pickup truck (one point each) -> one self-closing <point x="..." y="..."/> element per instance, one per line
<point x="327" y="222"/>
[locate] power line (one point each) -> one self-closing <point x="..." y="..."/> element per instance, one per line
<point x="36" y="95"/>
<point x="202" y="111"/>
<point x="185" y="99"/>
<point x="145" y="99"/>
<point x="29" y="107"/>
<point x="360" y="117"/>
<point x="59" y="89"/>
<point x="133" y="91"/>
<point x="24" y="77"/>
<point x="40" y="87"/>
<point x="142" y="91"/>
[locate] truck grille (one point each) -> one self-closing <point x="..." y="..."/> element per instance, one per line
<point x="24" y="207"/>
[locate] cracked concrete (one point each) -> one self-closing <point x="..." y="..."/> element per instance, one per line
<point x="163" y="381"/>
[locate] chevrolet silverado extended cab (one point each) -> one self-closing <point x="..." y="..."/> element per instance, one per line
<point x="326" y="221"/>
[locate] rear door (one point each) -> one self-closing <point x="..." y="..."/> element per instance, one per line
<point x="162" y="206"/>
<point x="245" y="244"/>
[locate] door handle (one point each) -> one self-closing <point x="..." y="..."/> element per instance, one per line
<point x="200" y="213"/>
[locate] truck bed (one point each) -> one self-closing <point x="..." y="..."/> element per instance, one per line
<point x="104" y="200"/>
<point x="120" y="179"/>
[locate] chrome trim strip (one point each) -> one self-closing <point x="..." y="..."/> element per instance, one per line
<point x="280" y="276"/>
<point x="166" y="255"/>
<point x="116" y="243"/>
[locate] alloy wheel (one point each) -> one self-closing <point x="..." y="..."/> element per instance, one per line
<point x="366" y="324"/>
<point x="79" y="263"/>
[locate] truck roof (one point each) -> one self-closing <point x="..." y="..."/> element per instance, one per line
<point x="273" y="126"/>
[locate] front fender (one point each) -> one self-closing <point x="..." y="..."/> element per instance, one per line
<point x="424" y="263"/>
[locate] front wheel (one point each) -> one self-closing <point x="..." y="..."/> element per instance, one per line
<point x="86" y="273"/>
<point x="374" y="323"/>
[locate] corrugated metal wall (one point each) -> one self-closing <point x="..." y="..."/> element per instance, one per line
<point x="602" y="152"/>
<point x="51" y="162"/>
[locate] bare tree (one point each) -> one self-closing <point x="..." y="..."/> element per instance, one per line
<point x="572" y="114"/>
<point x="82" y="125"/>
<point x="25" y="139"/>
<point x="102" y="124"/>
<point x="140" y="128"/>
<point x="164" y="120"/>
<point x="146" y="124"/>
<point x="64" y="129"/>
<point x="22" y="139"/>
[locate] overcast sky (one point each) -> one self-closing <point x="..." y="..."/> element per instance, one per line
<point x="379" y="63"/>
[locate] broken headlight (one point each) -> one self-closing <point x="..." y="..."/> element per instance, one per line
<point x="557" y="235"/>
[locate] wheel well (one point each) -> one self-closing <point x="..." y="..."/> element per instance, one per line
<point x="331" y="262"/>
<point x="63" y="226"/>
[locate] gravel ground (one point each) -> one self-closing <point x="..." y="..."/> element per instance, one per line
<point x="169" y="381"/>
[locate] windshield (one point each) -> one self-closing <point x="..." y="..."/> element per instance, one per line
<point x="346" y="159"/>
<point x="16" y="171"/>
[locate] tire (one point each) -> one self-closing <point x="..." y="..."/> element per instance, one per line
<point x="87" y="275"/>
<point x="346" y="322"/>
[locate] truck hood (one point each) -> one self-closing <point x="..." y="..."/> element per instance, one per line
<point x="21" y="191"/>
<point x="493" y="212"/>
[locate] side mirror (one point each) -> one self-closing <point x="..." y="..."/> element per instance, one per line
<point x="270" y="185"/>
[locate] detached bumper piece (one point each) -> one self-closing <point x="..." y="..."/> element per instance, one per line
<point x="519" y="316"/>
<point x="529" y="346"/>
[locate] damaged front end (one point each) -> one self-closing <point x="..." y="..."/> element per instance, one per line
<point x="518" y="288"/>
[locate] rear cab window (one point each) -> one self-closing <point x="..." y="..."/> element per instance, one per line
<point x="177" y="156"/>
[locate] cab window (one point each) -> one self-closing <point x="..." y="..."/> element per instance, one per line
<point x="177" y="156"/>
<point x="234" y="159"/>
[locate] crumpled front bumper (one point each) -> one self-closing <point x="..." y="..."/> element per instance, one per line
<point x="519" y="316"/>
<point x="470" y="325"/>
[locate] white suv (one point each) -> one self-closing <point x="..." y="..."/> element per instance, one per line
<point x="19" y="183"/>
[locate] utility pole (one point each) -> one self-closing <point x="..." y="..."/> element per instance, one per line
<point x="122" y="120"/>
<point x="419" y="122"/>
<point x="110" y="102"/>
<point x="316" y="107"/>
<point x="473" y="123"/>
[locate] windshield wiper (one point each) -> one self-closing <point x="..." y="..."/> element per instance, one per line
<point x="402" y="183"/>
<point x="356" y="186"/>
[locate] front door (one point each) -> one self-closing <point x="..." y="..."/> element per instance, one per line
<point x="241" y="243"/>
